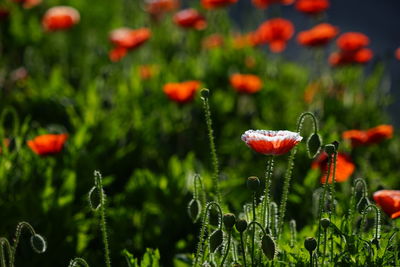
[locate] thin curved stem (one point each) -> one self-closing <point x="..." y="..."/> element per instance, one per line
<point x="267" y="192"/>
<point x="227" y="248"/>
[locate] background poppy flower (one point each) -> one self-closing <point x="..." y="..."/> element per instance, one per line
<point x="344" y="167"/>
<point x="265" y="3"/>
<point x="146" y="72"/>
<point x="129" y="38"/>
<point x="389" y="201"/>
<point x="246" y="83"/>
<point x="181" y="92"/>
<point x="397" y="53"/>
<point x="48" y="144"/>
<point x="318" y="35"/>
<point x="271" y="142"/>
<point x="159" y="7"/>
<point x="371" y="136"/>
<point x="312" y="7"/>
<point x="28" y="3"/>
<point x="211" y="4"/>
<point x="190" y="18"/>
<point x="352" y="41"/>
<point x="60" y="18"/>
<point x="125" y="39"/>
<point x="213" y="41"/>
<point x="361" y="56"/>
<point x="276" y="32"/>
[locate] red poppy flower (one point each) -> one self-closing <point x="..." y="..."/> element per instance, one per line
<point x="28" y="3"/>
<point x="158" y="7"/>
<point x="4" y="13"/>
<point x="352" y="41"/>
<point x="271" y="142"/>
<point x="129" y="38"/>
<point x="48" y="144"/>
<point x="389" y="201"/>
<point x="213" y="41"/>
<point x="211" y="4"/>
<point x="397" y="53"/>
<point x="117" y="53"/>
<point x="146" y="72"/>
<point x="317" y="36"/>
<point x="190" y="18"/>
<point x="371" y="136"/>
<point x="344" y="167"/>
<point x="361" y="56"/>
<point x="266" y="3"/>
<point x="246" y="83"/>
<point x="60" y="18"/>
<point x="312" y="7"/>
<point x="181" y="92"/>
<point x="276" y="32"/>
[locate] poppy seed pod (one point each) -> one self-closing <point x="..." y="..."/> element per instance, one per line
<point x="310" y="244"/>
<point x="229" y="220"/>
<point x="241" y="225"/>
<point x="325" y="222"/>
<point x="253" y="183"/>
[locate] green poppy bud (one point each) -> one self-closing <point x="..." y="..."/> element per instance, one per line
<point x="229" y="220"/>
<point x="325" y="222"/>
<point x="204" y="93"/>
<point x="241" y="225"/>
<point x="310" y="244"/>
<point x="314" y="143"/>
<point x="268" y="247"/>
<point x="330" y="149"/>
<point x="194" y="210"/>
<point x="216" y="239"/>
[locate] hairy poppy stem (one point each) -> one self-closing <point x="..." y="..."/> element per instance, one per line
<point x="204" y="225"/>
<point x="243" y="249"/>
<point x="267" y="192"/>
<point x="214" y="158"/>
<point x="227" y="248"/>
<point x="333" y="193"/>
<point x="253" y="235"/>
<point x="324" y="253"/>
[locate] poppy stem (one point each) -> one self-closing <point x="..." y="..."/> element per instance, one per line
<point x="98" y="180"/>
<point x="214" y="158"/>
<point x="333" y="193"/>
<point x="322" y="200"/>
<point x="267" y="192"/>
<point x="243" y="249"/>
<point x="227" y="248"/>
<point x="253" y="235"/>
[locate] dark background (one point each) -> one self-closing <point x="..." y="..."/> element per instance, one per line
<point x="380" y="20"/>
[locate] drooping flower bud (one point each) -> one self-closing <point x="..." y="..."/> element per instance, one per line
<point x="216" y="239"/>
<point x="194" y="210"/>
<point x="268" y="246"/>
<point x="314" y="145"/>
<point x="204" y="93"/>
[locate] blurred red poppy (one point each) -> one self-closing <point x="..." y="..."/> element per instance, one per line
<point x="266" y="3"/>
<point x="28" y="3"/>
<point x="159" y="7"/>
<point x="352" y="41"/>
<point x="318" y="35"/>
<point x="344" y="167"/>
<point x="129" y="38"/>
<point x="361" y="56"/>
<point x="368" y="137"/>
<point x="246" y="83"/>
<point x="117" y="53"/>
<point x="190" y="18"/>
<point x="389" y="201"/>
<point x="213" y="41"/>
<point x="4" y="13"/>
<point x="48" y="144"/>
<point x="246" y="40"/>
<point x="276" y="32"/>
<point x="271" y="142"/>
<point x="181" y="92"/>
<point x="312" y="7"/>
<point x="397" y="53"/>
<point x="146" y="72"/>
<point x="211" y="4"/>
<point x="125" y="39"/>
<point x="60" y="18"/>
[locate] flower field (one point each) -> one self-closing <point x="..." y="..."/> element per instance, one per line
<point x="160" y="133"/>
